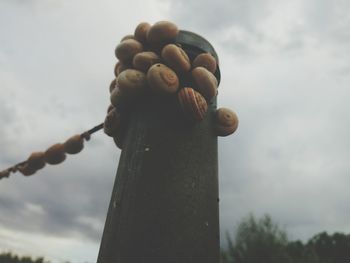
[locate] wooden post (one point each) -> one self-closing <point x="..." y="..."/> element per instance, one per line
<point x="164" y="205"/>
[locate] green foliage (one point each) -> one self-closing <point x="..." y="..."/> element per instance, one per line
<point x="331" y="248"/>
<point x="12" y="258"/>
<point x="262" y="241"/>
<point x="257" y="241"/>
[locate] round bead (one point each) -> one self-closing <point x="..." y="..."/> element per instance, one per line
<point x="5" y="173"/>
<point x="116" y="68"/>
<point x="113" y="123"/>
<point x="162" y="79"/>
<point x="176" y="58"/>
<point x="226" y="122"/>
<point x="117" y="98"/>
<point x="36" y="160"/>
<point x="205" y="81"/>
<point x="162" y="33"/>
<point x="192" y="103"/>
<point x="144" y="60"/>
<point x="26" y="170"/>
<point x="127" y="49"/>
<point x="205" y="60"/>
<point x="112" y="85"/>
<point x="127" y="37"/>
<point x="132" y="81"/>
<point x="55" y="154"/>
<point x="74" y="144"/>
<point x="120" y="67"/>
<point x="141" y="32"/>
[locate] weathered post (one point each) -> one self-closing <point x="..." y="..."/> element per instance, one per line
<point x="164" y="205"/>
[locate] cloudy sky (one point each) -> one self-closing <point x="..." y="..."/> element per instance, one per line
<point x="285" y="71"/>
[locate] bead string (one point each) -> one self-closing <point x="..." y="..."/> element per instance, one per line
<point x="15" y="168"/>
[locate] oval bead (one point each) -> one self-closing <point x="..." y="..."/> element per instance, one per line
<point x="132" y="81"/>
<point x="144" y="60"/>
<point x="192" y="103"/>
<point x="112" y="85"/>
<point x="141" y="32"/>
<point x="176" y="58"/>
<point x="116" y="98"/>
<point x="162" y="80"/>
<point x="120" y="67"/>
<point x="55" y="154"/>
<point x="127" y="49"/>
<point x="162" y="33"/>
<point x="226" y="122"/>
<point x="26" y="170"/>
<point x="74" y="144"/>
<point x="36" y="160"/>
<point x="113" y="123"/>
<point x="5" y="173"/>
<point x="205" y="60"/>
<point x="127" y="37"/>
<point x="205" y="81"/>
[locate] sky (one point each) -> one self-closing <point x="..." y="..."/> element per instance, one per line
<point x="285" y="71"/>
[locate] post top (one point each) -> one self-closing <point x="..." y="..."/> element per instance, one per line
<point x="195" y="44"/>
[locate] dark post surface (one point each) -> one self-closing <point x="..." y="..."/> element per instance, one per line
<point x="164" y="206"/>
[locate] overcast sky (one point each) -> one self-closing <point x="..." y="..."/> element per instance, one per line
<point x="285" y="69"/>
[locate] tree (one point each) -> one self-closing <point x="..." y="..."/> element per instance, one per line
<point x="257" y="241"/>
<point x="331" y="248"/>
<point x="12" y="258"/>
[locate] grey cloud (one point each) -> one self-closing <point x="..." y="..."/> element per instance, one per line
<point x="65" y="195"/>
<point x="288" y="84"/>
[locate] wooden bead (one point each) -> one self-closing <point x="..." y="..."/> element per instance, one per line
<point x="5" y="173"/>
<point x="162" y="33"/>
<point x="162" y="79"/>
<point x="226" y="122"/>
<point x="120" y="67"/>
<point x="117" y="98"/>
<point x="192" y="103"/>
<point x="113" y="123"/>
<point x="116" y="68"/>
<point x="26" y="170"/>
<point x="127" y="37"/>
<point x="205" y="81"/>
<point x="127" y="49"/>
<point x="74" y="144"/>
<point x="141" y="32"/>
<point x="205" y="60"/>
<point x="55" y="154"/>
<point x="36" y="160"/>
<point x="144" y="60"/>
<point x="132" y="82"/>
<point x="112" y="85"/>
<point x="176" y="58"/>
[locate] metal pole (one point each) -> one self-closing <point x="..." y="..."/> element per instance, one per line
<point x="164" y="205"/>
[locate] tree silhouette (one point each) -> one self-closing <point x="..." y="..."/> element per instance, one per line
<point x="12" y="258"/>
<point x="257" y="241"/>
<point x="331" y="248"/>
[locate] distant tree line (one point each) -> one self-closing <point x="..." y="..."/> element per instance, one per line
<point x="8" y="257"/>
<point x="263" y="241"/>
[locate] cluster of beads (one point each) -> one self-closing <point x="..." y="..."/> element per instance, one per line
<point x="55" y="154"/>
<point x="151" y="62"/>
